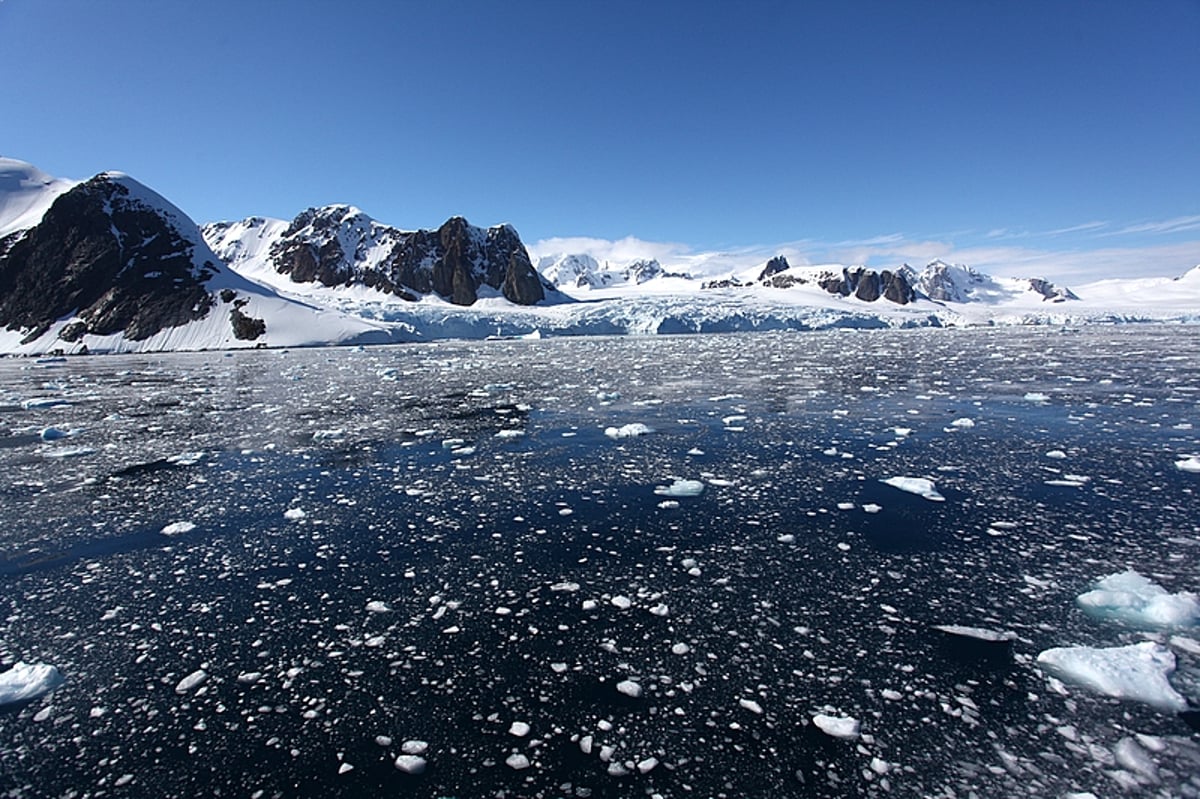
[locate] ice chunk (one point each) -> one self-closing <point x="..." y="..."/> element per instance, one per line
<point x="294" y="514"/>
<point x="54" y="434"/>
<point x="519" y="729"/>
<point x="963" y="423"/>
<point x="517" y="761"/>
<point x="191" y="681"/>
<point x="1191" y="464"/>
<point x="1036" y="396"/>
<point x="25" y="681"/>
<point x="916" y="485"/>
<point x="628" y="431"/>
<point x="681" y="488"/>
<point x="410" y="764"/>
<point x="414" y="747"/>
<point x="844" y="727"/>
<point x="1137" y="672"/>
<point x="178" y="528"/>
<point x="978" y="633"/>
<point x="751" y="705"/>
<point x="647" y="765"/>
<point x="376" y="606"/>
<point x="630" y="688"/>
<point x="510" y="433"/>
<point x="1134" y="600"/>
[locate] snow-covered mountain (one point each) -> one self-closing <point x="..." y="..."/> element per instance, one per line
<point x="107" y="264"/>
<point x="959" y="283"/>
<point x="340" y="246"/>
<point x="582" y="271"/>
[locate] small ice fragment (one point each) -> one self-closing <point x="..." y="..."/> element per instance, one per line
<point x="871" y="507"/>
<point x="377" y="606"/>
<point x="25" y="681"/>
<point x="681" y="488"/>
<point x="1036" y="396"/>
<point x="647" y="765"/>
<point x="294" y="514"/>
<point x="410" y="764"/>
<point x="695" y="451"/>
<point x="963" y="423"/>
<point x="916" y="485"/>
<point x="344" y="768"/>
<point x="845" y="506"/>
<point x="669" y="504"/>
<point x="249" y="677"/>
<point x="680" y="649"/>
<point x="510" y="433"/>
<point x="621" y="602"/>
<point x="519" y="729"/>
<point x="452" y="443"/>
<point x="566" y="587"/>
<point x="628" y="431"/>
<point x="751" y="705"/>
<point x="517" y="761"/>
<point x="786" y="538"/>
<point x="978" y="633"/>
<point x="178" y="528"/>
<point x="1138" y="672"/>
<point x="53" y="434"/>
<point x="1191" y="464"/>
<point x="660" y="609"/>
<point x="630" y="688"/>
<point x="879" y="766"/>
<point x="843" y="727"/>
<point x="191" y="681"/>
<point x="1056" y="454"/>
<point x="585" y="744"/>
<point x="902" y="432"/>
<point x="414" y="747"/>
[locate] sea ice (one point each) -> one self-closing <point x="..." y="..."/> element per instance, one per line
<point x="978" y="633"/>
<point x="628" y="431"/>
<point x="629" y="688"/>
<point x="916" y="485"/>
<point x="410" y="764"/>
<point x="191" y="681"/>
<point x="517" y="761"/>
<point x="1191" y="464"/>
<point x="1131" y="599"/>
<point x="25" y="681"/>
<point x="681" y="488"/>
<point x="1137" y="672"/>
<point x="519" y="729"/>
<point x="178" y="528"/>
<point x="844" y="727"/>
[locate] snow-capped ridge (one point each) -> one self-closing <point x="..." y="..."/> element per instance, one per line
<point x="26" y="193"/>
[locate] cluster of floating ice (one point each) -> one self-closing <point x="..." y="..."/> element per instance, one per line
<point x="1138" y="602"/>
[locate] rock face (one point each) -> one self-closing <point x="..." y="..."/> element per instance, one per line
<point x="105" y="255"/>
<point x="338" y="245"/>
<point x="869" y="285"/>
<point x="774" y="266"/>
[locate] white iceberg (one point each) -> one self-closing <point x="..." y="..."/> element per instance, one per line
<point x="1134" y="600"/>
<point x="26" y="681"/>
<point x="916" y="485"/>
<point x="628" y="431"/>
<point x="844" y="727"/>
<point x="681" y="488"/>
<point x="1138" y="672"/>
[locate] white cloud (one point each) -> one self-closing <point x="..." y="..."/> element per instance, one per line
<point x="1179" y="224"/>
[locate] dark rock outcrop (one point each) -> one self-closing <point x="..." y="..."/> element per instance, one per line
<point x="104" y="256"/>
<point x="774" y="266"/>
<point x="1049" y="291"/>
<point x="869" y="285"/>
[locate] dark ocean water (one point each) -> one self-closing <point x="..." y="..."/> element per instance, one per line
<point x="374" y="562"/>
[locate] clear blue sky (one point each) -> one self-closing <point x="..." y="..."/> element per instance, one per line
<point x="883" y="130"/>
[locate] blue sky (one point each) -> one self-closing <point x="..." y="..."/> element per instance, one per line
<point x="1053" y="137"/>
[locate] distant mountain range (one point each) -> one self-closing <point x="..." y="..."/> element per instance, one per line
<point x="108" y="265"/>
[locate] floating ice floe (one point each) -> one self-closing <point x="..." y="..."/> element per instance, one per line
<point x="1138" y="672"/>
<point x="628" y="431"/>
<point x="54" y="434"/>
<point x="510" y="433"/>
<point x="1036" y="396"/>
<point x="178" y="528"/>
<point x="916" y="485"/>
<point x="410" y="764"/>
<point x="1191" y="464"/>
<point x="191" y="681"/>
<point x="963" y="423"/>
<point x="629" y="688"/>
<point x="1134" y="600"/>
<point x="977" y="633"/>
<point x="517" y="761"/>
<point x="681" y="488"/>
<point x="843" y="727"/>
<point x="26" y="681"/>
<point x="378" y="606"/>
<point x="294" y="514"/>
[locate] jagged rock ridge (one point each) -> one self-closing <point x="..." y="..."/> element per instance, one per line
<point x="339" y="245"/>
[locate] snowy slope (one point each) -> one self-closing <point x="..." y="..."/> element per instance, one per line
<point x="26" y="193"/>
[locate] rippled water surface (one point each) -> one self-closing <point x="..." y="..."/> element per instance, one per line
<point x="279" y="573"/>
